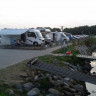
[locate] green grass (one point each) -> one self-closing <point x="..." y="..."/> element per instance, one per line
<point x="59" y="60"/>
<point x="64" y="50"/>
<point x="90" y="41"/>
<point x="3" y="94"/>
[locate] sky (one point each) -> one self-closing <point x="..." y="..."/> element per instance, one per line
<point x="47" y="13"/>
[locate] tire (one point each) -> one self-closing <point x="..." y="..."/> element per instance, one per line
<point x="35" y="43"/>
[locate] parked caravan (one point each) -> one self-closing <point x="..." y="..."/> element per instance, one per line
<point x="34" y="37"/>
<point x="25" y="36"/>
<point x="45" y="33"/>
<point x="58" y="37"/>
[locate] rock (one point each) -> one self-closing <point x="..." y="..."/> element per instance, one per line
<point x="37" y="85"/>
<point x="66" y="84"/>
<point x="10" y="92"/>
<point x="47" y="74"/>
<point x="69" y="89"/>
<point x="73" y="82"/>
<point x="60" y="82"/>
<point x="56" y="83"/>
<point x="36" y="77"/>
<point x="33" y="92"/>
<point x="55" y="92"/>
<point x="28" y="86"/>
<point x="68" y="93"/>
<point x="79" y="87"/>
<point x="49" y="94"/>
<point x="19" y="87"/>
<point x="55" y="77"/>
<point x="67" y="79"/>
<point x="78" y="93"/>
<point x="50" y="80"/>
<point x="27" y="79"/>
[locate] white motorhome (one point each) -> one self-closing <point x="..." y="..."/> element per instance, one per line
<point x="58" y="36"/>
<point x="29" y="36"/>
<point x="45" y="33"/>
<point x="34" y="37"/>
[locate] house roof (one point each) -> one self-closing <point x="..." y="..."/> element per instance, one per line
<point x="12" y="31"/>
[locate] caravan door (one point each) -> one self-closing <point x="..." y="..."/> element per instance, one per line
<point x="31" y="37"/>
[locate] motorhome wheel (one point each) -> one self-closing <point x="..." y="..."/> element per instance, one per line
<point x="35" y="43"/>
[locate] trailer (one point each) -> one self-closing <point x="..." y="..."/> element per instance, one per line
<point x="25" y="36"/>
<point x="58" y="37"/>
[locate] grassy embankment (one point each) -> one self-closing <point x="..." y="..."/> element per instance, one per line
<point x="11" y="75"/>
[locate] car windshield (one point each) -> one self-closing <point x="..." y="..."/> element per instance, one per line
<point x="39" y="34"/>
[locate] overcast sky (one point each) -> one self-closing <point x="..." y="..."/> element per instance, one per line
<point x="52" y="13"/>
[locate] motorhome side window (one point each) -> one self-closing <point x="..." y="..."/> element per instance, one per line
<point x="31" y="34"/>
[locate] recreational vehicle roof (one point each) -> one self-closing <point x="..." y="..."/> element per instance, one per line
<point x="33" y="30"/>
<point x="44" y="30"/>
<point x="12" y="31"/>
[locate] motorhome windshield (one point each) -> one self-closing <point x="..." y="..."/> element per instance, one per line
<point x="63" y="35"/>
<point x="39" y="34"/>
<point x="46" y="36"/>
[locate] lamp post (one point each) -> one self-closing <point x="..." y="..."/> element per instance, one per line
<point x="62" y="28"/>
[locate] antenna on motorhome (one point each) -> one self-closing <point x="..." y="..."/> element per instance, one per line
<point x="62" y="28"/>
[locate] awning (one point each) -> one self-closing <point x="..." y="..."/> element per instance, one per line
<point x="12" y="31"/>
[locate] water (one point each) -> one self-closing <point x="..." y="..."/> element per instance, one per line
<point x="91" y="87"/>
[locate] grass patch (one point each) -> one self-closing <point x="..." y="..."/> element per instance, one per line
<point x="64" y="50"/>
<point x="90" y="41"/>
<point x="59" y="60"/>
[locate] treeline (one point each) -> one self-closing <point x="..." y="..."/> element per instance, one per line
<point x="88" y="30"/>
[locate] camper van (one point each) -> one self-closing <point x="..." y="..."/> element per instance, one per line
<point x="34" y="37"/>
<point x="45" y="33"/>
<point x="28" y="36"/>
<point x="58" y="37"/>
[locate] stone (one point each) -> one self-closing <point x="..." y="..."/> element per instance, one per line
<point x="54" y="91"/>
<point x="67" y="79"/>
<point x="73" y="82"/>
<point x="33" y="92"/>
<point x="49" y="94"/>
<point x="28" y="86"/>
<point x="79" y="87"/>
<point x="27" y="79"/>
<point x="36" y="77"/>
<point x="37" y="85"/>
<point x="66" y="84"/>
<point x="60" y="82"/>
<point x="68" y="93"/>
<point x="19" y="87"/>
<point x="10" y="92"/>
<point x="69" y="89"/>
<point x="55" y="77"/>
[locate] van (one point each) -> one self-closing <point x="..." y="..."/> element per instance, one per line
<point x="34" y="37"/>
<point x="58" y="37"/>
<point x="27" y="36"/>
